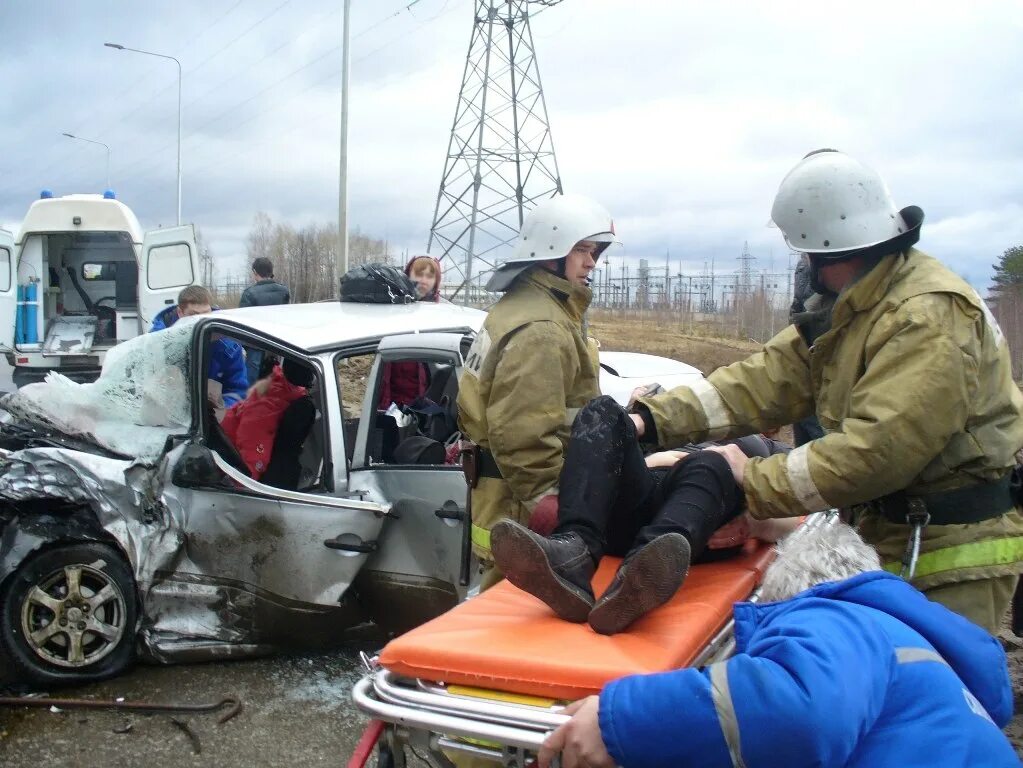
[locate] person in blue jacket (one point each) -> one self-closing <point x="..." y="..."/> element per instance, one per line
<point x="843" y="665"/>
<point x="227" y="361"/>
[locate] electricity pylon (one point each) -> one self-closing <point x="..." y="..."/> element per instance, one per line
<point x="500" y="159"/>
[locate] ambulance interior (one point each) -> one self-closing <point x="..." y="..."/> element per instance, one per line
<point x="87" y="291"/>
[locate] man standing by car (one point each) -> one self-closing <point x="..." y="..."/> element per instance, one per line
<point x="531" y="367"/>
<point x="909" y="375"/>
<point x="264" y="291"/>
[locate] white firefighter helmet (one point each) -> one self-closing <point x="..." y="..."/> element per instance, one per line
<point x="831" y="204"/>
<point x="550" y="231"/>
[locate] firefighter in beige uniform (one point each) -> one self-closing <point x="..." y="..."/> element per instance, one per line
<point x="532" y="365"/>
<point x="910" y="377"/>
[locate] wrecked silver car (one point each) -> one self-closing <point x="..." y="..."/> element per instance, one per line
<point x="130" y="524"/>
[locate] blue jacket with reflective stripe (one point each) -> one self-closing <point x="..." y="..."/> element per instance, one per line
<point x="845" y="674"/>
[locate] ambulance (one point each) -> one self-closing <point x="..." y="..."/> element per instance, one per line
<point x="82" y="276"/>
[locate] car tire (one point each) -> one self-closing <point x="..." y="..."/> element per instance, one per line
<point x="68" y="614"/>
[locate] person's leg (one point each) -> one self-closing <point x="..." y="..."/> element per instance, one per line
<point x="698" y="496"/>
<point x="604" y="475"/>
<point x="982" y="601"/>
<point x="604" y="480"/>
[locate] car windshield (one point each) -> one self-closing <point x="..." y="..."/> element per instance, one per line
<point x="140" y="398"/>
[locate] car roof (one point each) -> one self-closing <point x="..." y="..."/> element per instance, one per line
<point x="327" y="325"/>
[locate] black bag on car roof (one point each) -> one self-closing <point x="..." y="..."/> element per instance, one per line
<point x="377" y="284"/>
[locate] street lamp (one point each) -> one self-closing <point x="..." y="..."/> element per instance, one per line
<point x="162" y="56"/>
<point x="342" y="201"/>
<point x="72" y="136"/>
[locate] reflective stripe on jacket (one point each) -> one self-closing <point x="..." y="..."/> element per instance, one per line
<point x="913" y="386"/>
<point x="858" y="673"/>
<point x="525" y="377"/>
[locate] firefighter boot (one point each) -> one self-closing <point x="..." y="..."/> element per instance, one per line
<point x="556" y="570"/>
<point x="648" y="578"/>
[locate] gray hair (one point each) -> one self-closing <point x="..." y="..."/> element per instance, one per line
<point x="807" y="558"/>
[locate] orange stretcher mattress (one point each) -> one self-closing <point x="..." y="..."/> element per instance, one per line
<point x="507" y="640"/>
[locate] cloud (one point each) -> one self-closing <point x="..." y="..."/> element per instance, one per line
<point x="682" y="117"/>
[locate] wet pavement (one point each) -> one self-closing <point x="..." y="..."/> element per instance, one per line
<point x="297" y="710"/>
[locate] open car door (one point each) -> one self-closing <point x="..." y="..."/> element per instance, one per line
<point x="421" y="567"/>
<point x="169" y="263"/>
<point x="8" y="291"/>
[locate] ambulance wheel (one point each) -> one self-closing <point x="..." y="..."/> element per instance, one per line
<point x="68" y="614"/>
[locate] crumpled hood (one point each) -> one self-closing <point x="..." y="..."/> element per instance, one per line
<point x="976" y="656"/>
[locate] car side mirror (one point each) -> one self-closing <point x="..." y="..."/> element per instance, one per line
<point x="195" y="468"/>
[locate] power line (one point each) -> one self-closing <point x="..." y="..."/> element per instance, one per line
<point x="278" y="106"/>
<point x="134" y="85"/>
<point x="120" y="123"/>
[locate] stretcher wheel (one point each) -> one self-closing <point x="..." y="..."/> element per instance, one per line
<point x="385" y="756"/>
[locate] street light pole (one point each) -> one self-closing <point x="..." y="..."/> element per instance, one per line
<point x="72" y="136"/>
<point x="163" y="56"/>
<point x="342" y="203"/>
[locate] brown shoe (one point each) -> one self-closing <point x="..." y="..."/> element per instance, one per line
<point x="647" y="579"/>
<point x="556" y="570"/>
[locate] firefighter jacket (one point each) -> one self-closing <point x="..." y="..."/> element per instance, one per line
<point x="913" y="387"/>
<point x="529" y="371"/>
<point x="856" y="673"/>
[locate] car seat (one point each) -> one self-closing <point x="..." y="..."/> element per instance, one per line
<point x="285" y="468"/>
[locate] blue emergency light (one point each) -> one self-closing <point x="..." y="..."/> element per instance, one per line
<point x="46" y="194"/>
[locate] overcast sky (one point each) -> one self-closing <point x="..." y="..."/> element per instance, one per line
<point x="681" y="117"/>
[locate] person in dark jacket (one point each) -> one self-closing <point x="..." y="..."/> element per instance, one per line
<point x="404" y="382"/>
<point x="227" y="362"/>
<point x="264" y="291"/>
<point x="840" y="664"/>
<point x="658" y="512"/>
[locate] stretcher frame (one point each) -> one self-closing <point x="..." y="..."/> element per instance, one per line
<point x="436" y="723"/>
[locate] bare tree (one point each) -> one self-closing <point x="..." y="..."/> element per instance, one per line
<point x="305" y="259"/>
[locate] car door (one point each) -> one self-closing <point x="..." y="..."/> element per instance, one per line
<point x="281" y="549"/>
<point x="422" y="565"/>
<point x="169" y="263"/>
<point x="8" y="291"/>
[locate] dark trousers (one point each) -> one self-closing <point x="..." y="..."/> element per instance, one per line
<point x="617" y="504"/>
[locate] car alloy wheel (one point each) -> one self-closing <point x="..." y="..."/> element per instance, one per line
<point x="69" y="614"/>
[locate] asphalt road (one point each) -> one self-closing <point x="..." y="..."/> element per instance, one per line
<point x="296" y="710"/>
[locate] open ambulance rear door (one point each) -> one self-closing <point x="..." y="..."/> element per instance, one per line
<point x="169" y="263"/>
<point x="8" y="291"/>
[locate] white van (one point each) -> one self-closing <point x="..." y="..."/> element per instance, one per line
<point x="81" y="277"/>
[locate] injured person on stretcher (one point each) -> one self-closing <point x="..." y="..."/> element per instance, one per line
<point x="658" y="512"/>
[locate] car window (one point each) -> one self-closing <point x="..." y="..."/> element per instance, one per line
<point x="414" y="412"/>
<point x="272" y="429"/>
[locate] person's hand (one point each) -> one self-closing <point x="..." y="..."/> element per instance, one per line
<point x="638" y="421"/>
<point x="665" y="458"/>
<point x="773" y="529"/>
<point x="579" y="741"/>
<point x="645" y="390"/>
<point x="736" y="459"/>
<point x="732" y="534"/>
